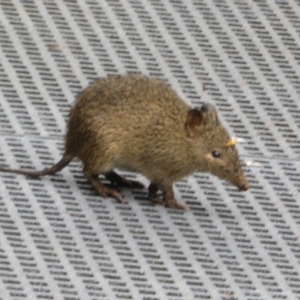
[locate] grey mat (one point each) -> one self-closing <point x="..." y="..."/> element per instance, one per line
<point x="58" y="240"/>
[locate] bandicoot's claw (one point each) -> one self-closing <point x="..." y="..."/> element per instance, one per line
<point x="106" y="192"/>
<point x="173" y="204"/>
<point x="177" y="205"/>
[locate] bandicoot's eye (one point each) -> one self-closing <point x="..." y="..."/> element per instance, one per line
<point x="216" y="154"/>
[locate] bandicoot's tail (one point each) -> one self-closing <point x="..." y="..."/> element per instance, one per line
<point x="66" y="159"/>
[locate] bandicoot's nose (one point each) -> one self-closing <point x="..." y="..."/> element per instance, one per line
<point x="244" y="187"/>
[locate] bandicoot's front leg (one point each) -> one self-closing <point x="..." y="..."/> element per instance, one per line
<point x="167" y="199"/>
<point x="170" y="201"/>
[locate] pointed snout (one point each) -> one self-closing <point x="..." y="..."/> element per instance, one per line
<point x="244" y="186"/>
<point x="240" y="181"/>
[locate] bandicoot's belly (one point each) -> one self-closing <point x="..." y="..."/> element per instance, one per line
<point x="127" y="166"/>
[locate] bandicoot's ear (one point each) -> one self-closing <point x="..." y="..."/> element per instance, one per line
<point x="206" y="117"/>
<point x="194" y="119"/>
<point x="210" y="114"/>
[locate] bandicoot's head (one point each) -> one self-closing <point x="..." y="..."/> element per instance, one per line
<point x="213" y="149"/>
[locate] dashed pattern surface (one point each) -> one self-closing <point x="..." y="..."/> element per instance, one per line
<point x="58" y="240"/>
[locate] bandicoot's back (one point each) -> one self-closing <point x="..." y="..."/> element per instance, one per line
<point x="124" y="110"/>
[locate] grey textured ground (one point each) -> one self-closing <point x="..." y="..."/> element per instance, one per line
<point x="58" y="240"/>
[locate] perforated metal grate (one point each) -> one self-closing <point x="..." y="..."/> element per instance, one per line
<point x="58" y="240"/>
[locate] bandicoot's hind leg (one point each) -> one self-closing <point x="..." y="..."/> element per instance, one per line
<point x="116" y="178"/>
<point x="102" y="189"/>
<point x="66" y="159"/>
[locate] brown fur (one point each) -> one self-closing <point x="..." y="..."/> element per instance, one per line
<point x="140" y="124"/>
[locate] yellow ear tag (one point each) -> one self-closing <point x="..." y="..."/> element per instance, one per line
<point x="231" y="143"/>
